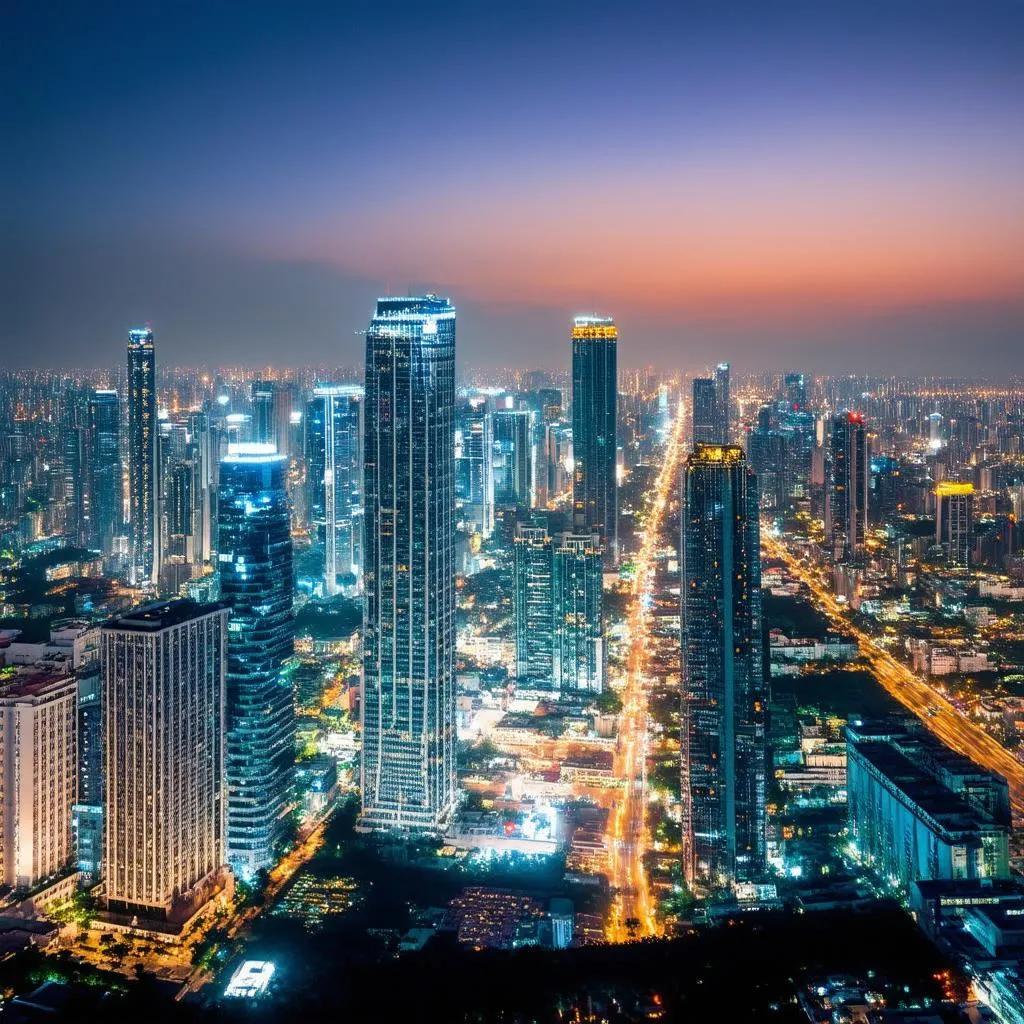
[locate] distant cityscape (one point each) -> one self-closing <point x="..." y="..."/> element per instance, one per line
<point x="551" y="660"/>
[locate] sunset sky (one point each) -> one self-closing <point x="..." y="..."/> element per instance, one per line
<point x="830" y="186"/>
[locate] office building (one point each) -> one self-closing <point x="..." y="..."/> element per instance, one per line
<point x="407" y="772"/>
<point x="513" y="457"/>
<point x="87" y="813"/>
<point x="533" y="609"/>
<point x="474" y="469"/>
<point x="794" y="392"/>
<point x="954" y="520"/>
<point x="704" y="414"/>
<point x="919" y="811"/>
<point x="724" y="694"/>
<point x="848" y="478"/>
<point x="164" y="670"/>
<point x="723" y="405"/>
<point x="334" y="427"/>
<point x="106" y="487"/>
<point x="38" y="771"/>
<point x="595" y="496"/>
<point x="579" y="656"/>
<point x="143" y="483"/>
<point x="255" y="559"/>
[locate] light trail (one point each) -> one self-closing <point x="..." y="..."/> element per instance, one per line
<point x="942" y="718"/>
<point x="627" y="827"/>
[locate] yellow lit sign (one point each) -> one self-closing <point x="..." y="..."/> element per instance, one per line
<point x="594" y="331"/>
<point x="948" y="488"/>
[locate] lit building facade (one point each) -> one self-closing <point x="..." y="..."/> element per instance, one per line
<point x="474" y="466"/>
<point x="534" y="622"/>
<point x="704" y="412"/>
<point x="579" y="656"/>
<point x="255" y="560"/>
<point x="143" y="483"/>
<point x="38" y="773"/>
<point x="164" y="668"/>
<point x="917" y="810"/>
<point x="595" y="495"/>
<point x="334" y="428"/>
<point x="849" y="478"/>
<point x="723" y="735"/>
<point x="954" y="520"/>
<point x="407" y="772"/>
<point x="723" y="405"/>
<point x="513" y="457"/>
<point x="106" y="484"/>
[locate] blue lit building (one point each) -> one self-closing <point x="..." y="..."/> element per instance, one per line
<point x="704" y="411"/>
<point x="533" y="609"/>
<point x="334" y="421"/>
<point x="513" y="457"/>
<point x="407" y="771"/>
<point x="255" y="560"/>
<point x="579" y="656"/>
<point x="723" y="732"/>
<point x="920" y="811"/>
<point x="474" y="466"/>
<point x="595" y="393"/>
<point x="106" y="494"/>
<point x="143" y="485"/>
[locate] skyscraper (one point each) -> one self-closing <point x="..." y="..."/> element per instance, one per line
<point x="849" y="475"/>
<point x="334" y="420"/>
<point x="954" y="520"/>
<point x="533" y="611"/>
<point x="513" y="457"/>
<point x="723" y="405"/>
<point x="474" y="470"/>
<point x="579" y="654"/>
<point x="38" y="773"/>
<point x="724" y="694"/>
<point x="142" y="459"/>
<point x="407" y="776"/>
<point x="106" y="494"/>
<point x="164" y="669"/>
<point x="255" y="559"/>
<point x="595" y="496"/>
<point x="795" y="392"/>
<point x="704" y="411"/>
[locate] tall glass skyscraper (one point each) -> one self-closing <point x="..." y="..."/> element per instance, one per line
<point x="534" y="623"/>
<point x="106" y="495"/>
<point x="513" y="457"/>
<point x="704" y="411"/>
<point x="474" y="454"/>
<point x="579" y="655"/>
<point x="595" y="496"/>
<point x="723" y="405"/>
<point x="846" y="515"/>
<point x="143" y="486"/>
<point x="255" y="560"/>
<point x="334" y="425"/>
<point x="724" y="695"/>
<point x="407" y="776"/>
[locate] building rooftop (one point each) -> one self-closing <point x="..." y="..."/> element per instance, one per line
<point x="32" y="681"/>
<point x="157" y="615"/>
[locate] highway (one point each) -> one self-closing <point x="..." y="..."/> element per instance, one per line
<point x="947" y="722"/>
<point x="633" y="910"/>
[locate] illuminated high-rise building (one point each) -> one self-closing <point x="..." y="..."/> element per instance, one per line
<point x="143" y="485"/>
<point x="533" y="611"/>
<point x="513" y="457"/>
<point x="474" y="466"/>
<point x="849" y="476"/>
<point x="38" y="774"/>
<point x="255" y="559"/>
<point x="595" y="496"/>
<point x="106" y="483"/>
<point x="723" y="742"/>
<point x="794" y="390"/>
<point x="164" y="668"/>
<point x="723" y="405"/>
<point x="334" y="420"/>
<point x="954" y="520"/>
<point x="704" y="411"/>
<point x="579" y="655"/>
<point x="407" y="777"/>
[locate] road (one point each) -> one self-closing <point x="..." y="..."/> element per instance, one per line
<point x="627" y="827"/>
<point x="947" y="722"/>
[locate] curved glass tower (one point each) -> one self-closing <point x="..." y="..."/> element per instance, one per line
<point x="255" y="559"/>
<point x="408" y="711"/>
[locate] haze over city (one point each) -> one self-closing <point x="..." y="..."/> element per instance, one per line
<point x="835" y="186"/>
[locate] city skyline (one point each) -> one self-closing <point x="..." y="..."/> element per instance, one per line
<point x="839" y="186"/>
